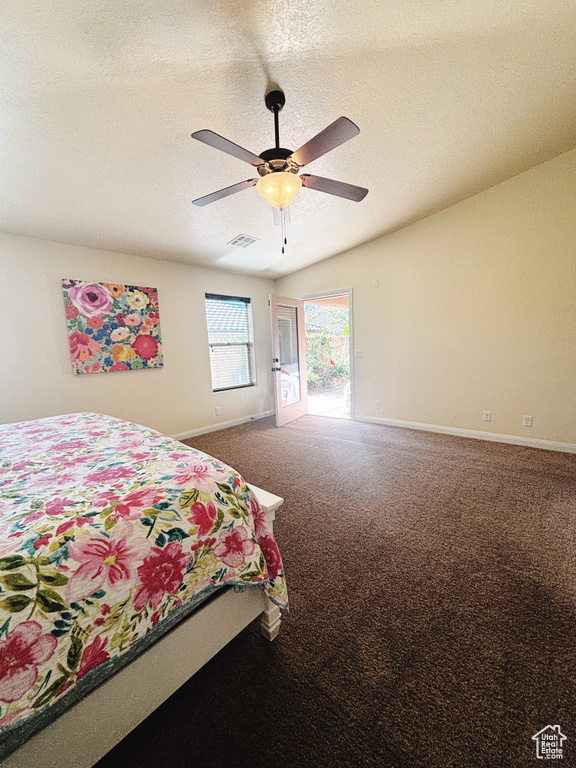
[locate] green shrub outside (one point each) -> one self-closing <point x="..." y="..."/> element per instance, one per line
<point x="327" y="349"/>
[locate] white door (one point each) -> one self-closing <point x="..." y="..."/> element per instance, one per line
<point x="289" y="358"/>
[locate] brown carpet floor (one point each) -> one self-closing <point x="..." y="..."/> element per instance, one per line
<point x="433" y="608"/>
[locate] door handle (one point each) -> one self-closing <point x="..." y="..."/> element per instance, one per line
<point x="276" y="369"/>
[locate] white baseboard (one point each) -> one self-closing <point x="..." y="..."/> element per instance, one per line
<point x="220" y="425"/>
<point x="476" y="434"/>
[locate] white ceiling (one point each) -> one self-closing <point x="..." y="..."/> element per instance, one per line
<point x="98" y="101"/>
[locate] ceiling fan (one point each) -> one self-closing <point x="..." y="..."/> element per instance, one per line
<point x="278" y="167"/>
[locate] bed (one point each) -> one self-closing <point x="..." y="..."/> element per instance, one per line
<point x="120" y="549"/>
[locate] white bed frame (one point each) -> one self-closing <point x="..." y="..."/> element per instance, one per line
<point x="89" y="729"/>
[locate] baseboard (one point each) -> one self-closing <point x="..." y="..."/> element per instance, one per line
<point x="475" y="434"/>
<point x="220" y="425"/>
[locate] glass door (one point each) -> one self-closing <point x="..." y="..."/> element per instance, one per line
<point x="289" y="358"/>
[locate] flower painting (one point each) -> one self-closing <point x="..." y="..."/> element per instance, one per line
<point x="112" y="327"/>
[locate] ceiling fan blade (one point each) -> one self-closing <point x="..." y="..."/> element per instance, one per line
<point x="225" y="145"/>
<point x="224" y="192"/>
<point x="278" y="215"/>
<point x="331" y="137"/>
<point x="331" y="187"/>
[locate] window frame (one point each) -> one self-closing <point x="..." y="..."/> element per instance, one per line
<point x="248" y="345"/>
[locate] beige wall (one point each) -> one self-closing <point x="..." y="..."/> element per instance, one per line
<point x="36" y="377"/>
<point x="476" y="309"/>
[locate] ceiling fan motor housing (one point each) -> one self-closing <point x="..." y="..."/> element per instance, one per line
<point x="275" y="160"/>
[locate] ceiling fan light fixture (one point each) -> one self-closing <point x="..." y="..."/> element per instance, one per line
<point x="279" y="188"/>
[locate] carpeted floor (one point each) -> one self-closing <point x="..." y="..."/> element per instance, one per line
<point x="433" y="608"/>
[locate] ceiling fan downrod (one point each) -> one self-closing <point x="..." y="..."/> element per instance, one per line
<point x="275" y="101"/>
<point x="276" y="157"/>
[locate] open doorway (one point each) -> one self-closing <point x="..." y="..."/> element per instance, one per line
<point x="327" y="324"/>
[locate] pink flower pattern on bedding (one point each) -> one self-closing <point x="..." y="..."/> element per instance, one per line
<point x="106" y="527"/>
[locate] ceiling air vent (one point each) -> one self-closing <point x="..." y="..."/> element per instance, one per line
<point x="243" y="241"/>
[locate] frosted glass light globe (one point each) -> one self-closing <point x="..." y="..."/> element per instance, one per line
<point x="279" y="188"/>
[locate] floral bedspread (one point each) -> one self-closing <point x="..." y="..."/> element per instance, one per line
<point x="105" y="528"/>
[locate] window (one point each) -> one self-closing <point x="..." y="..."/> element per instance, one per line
<point x="231" y="340"/>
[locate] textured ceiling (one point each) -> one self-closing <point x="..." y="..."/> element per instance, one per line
<point x="98" y="100"/>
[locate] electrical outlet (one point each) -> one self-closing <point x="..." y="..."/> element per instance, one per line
<point x="376" y="404"/>
<point x="376" y="282"/>
<point x="527" y="421"/>
<point x="357" y="353"/>
<point x="486" y="415"/>
<point x="218" y="410"/>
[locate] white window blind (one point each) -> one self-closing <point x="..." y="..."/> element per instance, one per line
<point x="231" y="340"/>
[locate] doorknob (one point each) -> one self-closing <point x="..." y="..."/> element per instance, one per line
<point x="276" y="369"/>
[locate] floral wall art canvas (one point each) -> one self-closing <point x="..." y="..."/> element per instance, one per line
<point x="112" y="327"/>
